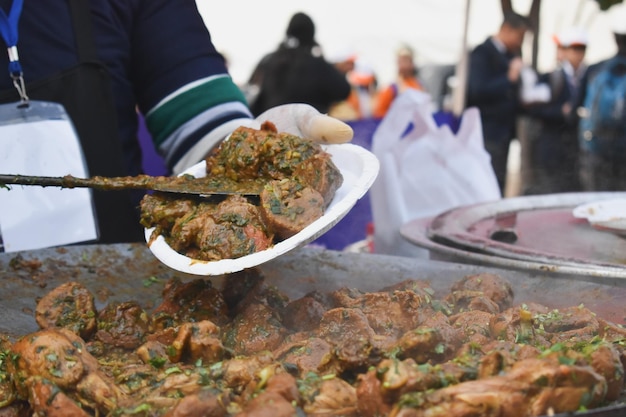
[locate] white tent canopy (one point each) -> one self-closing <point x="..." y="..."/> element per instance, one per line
<point x="245" y="30"/>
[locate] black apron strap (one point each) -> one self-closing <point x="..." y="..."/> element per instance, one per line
<point x="81" y="19"/>
<point x="85" y="92"/>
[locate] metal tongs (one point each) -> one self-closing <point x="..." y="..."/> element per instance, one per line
<point x="184" y="184"/>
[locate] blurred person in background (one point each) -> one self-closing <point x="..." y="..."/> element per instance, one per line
<point x="554" y="152"/>
<point x="360" y="104"/>
<point x="406" y="79"/>
<point x="602" y="111"/>
<point x="297" y="72"/>
<point x="493" y="87"/>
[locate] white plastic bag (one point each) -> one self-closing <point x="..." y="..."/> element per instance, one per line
<point x="426" y="171"/>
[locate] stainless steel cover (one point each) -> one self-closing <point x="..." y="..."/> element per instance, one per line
<point x="534" y="232"/>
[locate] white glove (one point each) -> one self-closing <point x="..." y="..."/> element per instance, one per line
<point x="305" y="121"/>
<point x="298" y="119"/>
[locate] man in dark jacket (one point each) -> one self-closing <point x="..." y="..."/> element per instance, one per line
<point x="554" y="153"/>
<point x="602" y="127"/>
<point x="493" y="88"/>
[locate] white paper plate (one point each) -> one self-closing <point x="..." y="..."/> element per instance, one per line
<point x="608" y="215"/>
<point x="359" y="168"/>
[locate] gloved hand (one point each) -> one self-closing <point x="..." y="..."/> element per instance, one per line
<point x="305" y="121"/>
<point x="298" y="119"/>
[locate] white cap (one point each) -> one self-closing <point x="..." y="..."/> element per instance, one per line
<point x="362" y="74"/>
<point x="572" y="37"/>
<point x="618" y="18"/>
<point x="342" y="55"/>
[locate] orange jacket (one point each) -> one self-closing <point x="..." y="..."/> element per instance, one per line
<point x="387" y="95"/>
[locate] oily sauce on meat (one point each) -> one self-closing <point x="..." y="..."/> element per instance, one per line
<point x="248" y="350"/>
<point x="298" y="179"/>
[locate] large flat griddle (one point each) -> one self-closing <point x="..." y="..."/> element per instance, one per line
<point x="124" y="272"/>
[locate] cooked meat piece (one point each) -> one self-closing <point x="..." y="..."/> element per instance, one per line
<point x="570" y="323"/>
<point x="369" y="394"/>
<point x="8" y="394"/>
<point x="197" y="341"/>
<point x="434" y="341"/>
<point x="255" y="329"/>
<point x="604" y="358"/>
<point x="343" y="297"/>
<point x="155" y="353"/>
<point x="240" y="156"/>
<point x="46" y="400"/>
<point x="122" y="325"/>
<point x="611" y="332"/>
<point x="231" y="229"/>
<point x="418" y="286"/>
<point x="564" y="388"/>
<point x="162" y="210"/>
<point x="70" y="306"/>
<point x="269" y="404"/>
<point x="284" y="384"/>
<point x="16" y="409"/>
<point x="501" y="355"/>
<point x="489" y="285"/>
<point x="320" y="173"/>
<point x="399" y="378"/>
<point x="265" y="294"/>
<point x="204" y="403"/>
<point x="239" y="285"/>
<point x="49" y="354"/>
<point x="391" y="313"/>
<point x="484" y="398"/>
<point x="331" y="397"/>
<point x="175" y="381"/>
<point x="349" y="332"/>
<point x="278" y="397"/>
<point x="321" y="297"/>
<point x="243" y="217"/>
<point x="223" y="241"/>
<point x="185" y="229"/>
<point x="287" y="207"/>
<point x="191" y="301"/>
<point x="406" y="376"/>
<point x="250" y="154"/>
<point x="310" y="355"/>
<point x="241" y="371"/>
<point x="61" y="358"/>
<point x="519" y="325"/>
<point x="474" y="324"/>
<point x="303" y="314"/>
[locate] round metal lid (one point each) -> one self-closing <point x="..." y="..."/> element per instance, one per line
<point x="532" y="230"/>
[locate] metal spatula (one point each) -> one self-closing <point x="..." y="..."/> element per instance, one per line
<point x="185" y="184"/>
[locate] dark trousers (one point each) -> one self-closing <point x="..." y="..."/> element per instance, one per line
<point x="603" y="172"/>
<point x="498" y="148"/>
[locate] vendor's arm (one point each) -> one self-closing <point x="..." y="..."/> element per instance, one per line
<point x="182" y="85"/>
<point x="190" y="101"/>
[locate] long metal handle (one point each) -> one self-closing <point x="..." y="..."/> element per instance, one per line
<point x="182" y="185"/>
